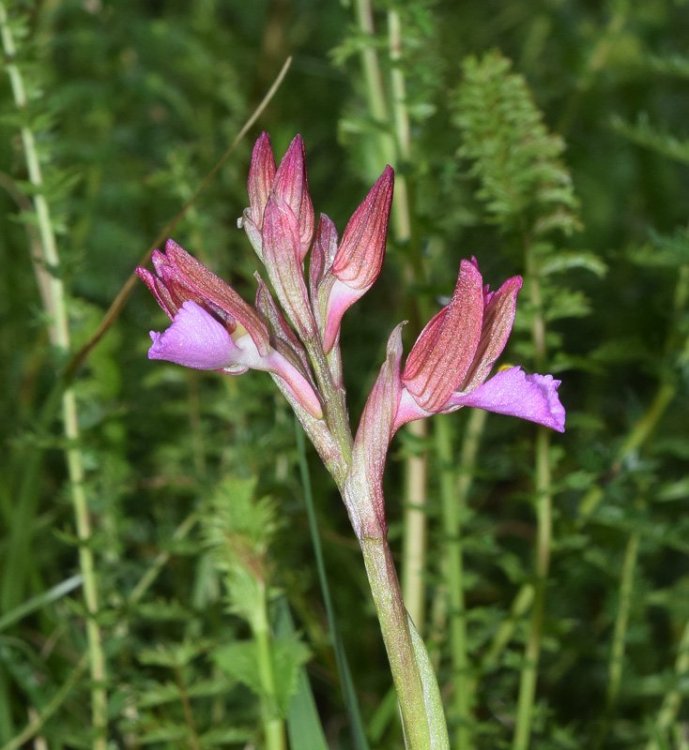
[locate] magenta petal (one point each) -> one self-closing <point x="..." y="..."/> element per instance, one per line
<point x="513" y="392"/>
<point x="194" y="339"/>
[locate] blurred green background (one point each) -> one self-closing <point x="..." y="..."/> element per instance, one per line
<point x="130" y="106"/>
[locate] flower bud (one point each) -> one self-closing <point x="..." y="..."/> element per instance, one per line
<point x="291" y="188"/>
<point x="259" y="185"/>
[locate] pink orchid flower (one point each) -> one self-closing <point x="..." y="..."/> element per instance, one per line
<point x="213" y="328"/>
<point x="449" y="364"/>
<point x="447" y="369"/>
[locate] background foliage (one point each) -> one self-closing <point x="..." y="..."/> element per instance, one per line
<point x="547" y="138"/>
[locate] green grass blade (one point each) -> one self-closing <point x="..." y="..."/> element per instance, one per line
<point x="348" y="693"/>
<point x="303" y="722"/>
<point x="39" y="601"/>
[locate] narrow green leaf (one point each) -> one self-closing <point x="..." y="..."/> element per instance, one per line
<point x="349" y="695"/>
<point x="433" y="701"/>
<point x="303" y="723"/>
<point x="39" y="601"/>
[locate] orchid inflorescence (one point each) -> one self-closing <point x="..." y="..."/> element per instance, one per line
<point x="296" y="338"/>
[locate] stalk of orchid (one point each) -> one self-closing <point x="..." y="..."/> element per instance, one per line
<point x="294" y="336"/>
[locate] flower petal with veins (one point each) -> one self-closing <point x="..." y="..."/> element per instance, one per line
<point x="513" y="392"/>
<point x="195" y="339"/>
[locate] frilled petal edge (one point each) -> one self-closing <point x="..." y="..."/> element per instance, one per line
<point x="194" y="339"/>
<point x="513" y="392"/>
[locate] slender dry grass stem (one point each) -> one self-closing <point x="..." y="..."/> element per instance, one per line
<point x="56" y="299"/>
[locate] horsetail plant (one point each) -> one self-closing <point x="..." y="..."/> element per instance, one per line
<point x="295" y="337"/>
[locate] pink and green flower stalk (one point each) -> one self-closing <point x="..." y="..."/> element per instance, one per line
<point x="295" y="337"/>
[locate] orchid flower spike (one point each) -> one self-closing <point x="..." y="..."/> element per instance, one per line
<point x="449" y="364"/>
<point x="213" y="328"/>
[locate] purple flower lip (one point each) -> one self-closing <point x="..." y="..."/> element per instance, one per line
<point x="180" y="277"/>
<point x="196" y="339"/>
<point x="532" y="397"/>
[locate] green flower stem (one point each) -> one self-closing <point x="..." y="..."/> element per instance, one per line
<point x="56" y="306"/>
<point x="672" y="701"/>
<point x="387" y="598"/>
<point x="543" y="494"/>
<point x="454" y="491"/>
<point x="414" y="523"/>
<point x="380" y="568"/>
<point x="273" y="725"/>
<point x="617" y="648"/>
<point x="529" y="673"/>
<point x="393" y="619"/>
